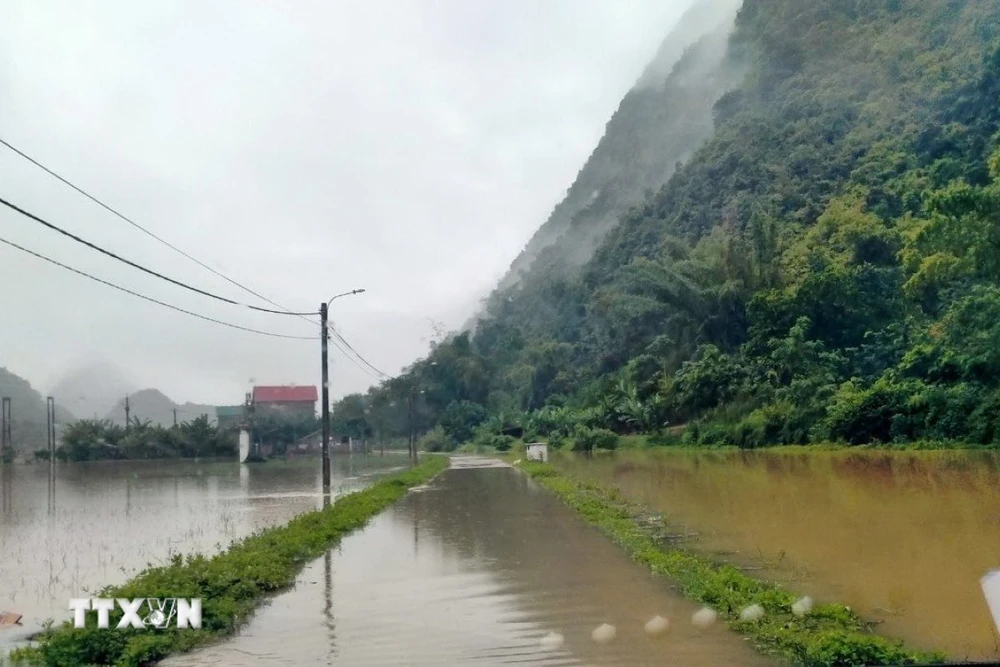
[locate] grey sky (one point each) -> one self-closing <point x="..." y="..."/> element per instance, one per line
<point x="304" y="149"/>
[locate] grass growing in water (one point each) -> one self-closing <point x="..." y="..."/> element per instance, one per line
<point x="831" y="635"/>
<point x="231" y="584"/>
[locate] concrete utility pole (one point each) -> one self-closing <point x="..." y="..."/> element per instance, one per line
<point x="175" y="416"/>
<point x="127" y="413"/>
<point x="51" y="419"/>
<point x="411" y="445"/>
<point x="324" y="336"/>
<point x="325" y="391"/>
<point x="5" y="426"/>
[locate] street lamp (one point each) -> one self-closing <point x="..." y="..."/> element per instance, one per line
<point x="324" y="335"/>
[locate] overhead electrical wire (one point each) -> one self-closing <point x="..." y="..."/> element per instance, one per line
<point x="143" y="229"/>
<point x="364" y="364"/>
<point x="148" y="298"/>
<point x="380" y="375"/>
<point x="151" y="272"/>
<point x="94" y="246"/>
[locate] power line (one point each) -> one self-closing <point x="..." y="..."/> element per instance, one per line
<point x="93" y="246"/>
<point x="144" y="230"/>
<point x="376" y="375"/>
<point x="151" y="272"/>
<point x="284" y="311"/>
<point x="380" y="374"/>
<point x="151" y="299"/>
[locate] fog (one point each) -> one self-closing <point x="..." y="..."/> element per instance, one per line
<point x="303" y="150"/>
<point x="660" y="123"/>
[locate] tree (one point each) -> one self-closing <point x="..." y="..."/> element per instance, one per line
<point x="349" y="418"/>
<point x="461" y="418"/>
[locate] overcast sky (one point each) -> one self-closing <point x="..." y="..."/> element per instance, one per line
<point x="303" y="149"/>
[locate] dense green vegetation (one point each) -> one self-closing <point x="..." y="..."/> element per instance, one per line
<point x="830" y="635"/>
<point x="825" y="267"/>
<point x="231" y="584"/>
<point x="90" y="440"/>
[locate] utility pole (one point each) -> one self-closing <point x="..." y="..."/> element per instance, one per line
<point x="324" y="336"/>
<point x="51" y="419"/>
<point x="324" y="361"/>
<point x="175" y="416"/>
<point x="127" y="413"/>
<point x="5" y="426"/>
<point x="412" y="443"/>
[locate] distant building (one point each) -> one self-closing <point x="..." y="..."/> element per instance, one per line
<point x="228" y="416"/>
<point x="286" y="400"/>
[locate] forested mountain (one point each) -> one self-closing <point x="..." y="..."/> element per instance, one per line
<point x="28" y="408"/>
<point x="824" y="265"/>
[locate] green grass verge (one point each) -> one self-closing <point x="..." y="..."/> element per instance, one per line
<point x="830" y="636"/>
<point x="231" y="584"/>
<point x="651" y="442"/>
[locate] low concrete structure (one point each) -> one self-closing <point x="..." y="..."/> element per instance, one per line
<point x="537" y="451"/>
<point x="244" y="445"/>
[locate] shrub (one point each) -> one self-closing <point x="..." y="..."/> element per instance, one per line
<point x="461" y="419"/>
<point x="587" y="439"/>
<point x="436" y="440"/>
<point x="777" y="423"/>
<point x="860" y="416"/>
<point x="502" y="443"/>
<point x="984" y="422"/>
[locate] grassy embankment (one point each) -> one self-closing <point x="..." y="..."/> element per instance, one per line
<point x="831" y="635"/>
<point x="231" y="584"/>
<point x="676" y="442"/>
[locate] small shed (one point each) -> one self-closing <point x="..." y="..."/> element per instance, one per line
<point x="537" y="451"/>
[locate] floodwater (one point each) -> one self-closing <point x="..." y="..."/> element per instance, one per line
<point x="98" y="523"/>
<point x="475" y="568"/>
<point x="903" y="538"/>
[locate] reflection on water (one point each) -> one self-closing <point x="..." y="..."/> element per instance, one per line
<point x="475" y="569"/>
<point x="901" y="537"/>
<point x="83" y="526"/>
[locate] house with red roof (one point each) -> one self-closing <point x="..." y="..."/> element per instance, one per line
<point x="285" y="400"/>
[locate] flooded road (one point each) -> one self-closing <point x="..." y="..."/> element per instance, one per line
<point x="903" y="538"/>
<point x="476" y="568"/>
<point x="101" y="522"/>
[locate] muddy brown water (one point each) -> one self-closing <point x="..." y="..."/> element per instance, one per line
<point x="474" y="569"/>
<point x="98" y="523"/>
<point x="901" y="537"/>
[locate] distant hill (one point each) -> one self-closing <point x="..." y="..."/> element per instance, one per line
<point x="91" y="391"/>
<point x="27" y="411"/>
<point x="153" y="405"/>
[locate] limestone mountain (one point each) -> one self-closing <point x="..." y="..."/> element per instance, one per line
<point x="787" y="234"/>
<point x="156" y="407"/>
<point x="28" y="411"/>
<point x="90" y="391"/>
<point x="662" y="120"/>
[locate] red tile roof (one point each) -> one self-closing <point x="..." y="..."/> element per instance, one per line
<point x="285" y="394"/>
